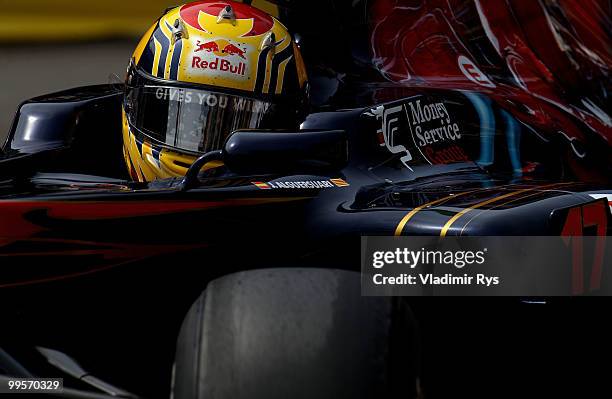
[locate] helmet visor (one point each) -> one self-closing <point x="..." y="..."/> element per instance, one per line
<point x="195" y="120"/>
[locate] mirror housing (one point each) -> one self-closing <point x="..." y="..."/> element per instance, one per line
<point x="272" y="152"/>
<point x="257" y="152"/>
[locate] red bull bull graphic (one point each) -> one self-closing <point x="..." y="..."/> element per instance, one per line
<point x="220" y="48"/>
<point x="211" y="47"/>
<point x="230" y="49"/>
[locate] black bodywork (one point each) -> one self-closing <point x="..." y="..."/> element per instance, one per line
<point x="334" y="180"/>
<point x="105" y="268"/>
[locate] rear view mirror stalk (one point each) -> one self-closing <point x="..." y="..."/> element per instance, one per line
<point x="257" y="152"/>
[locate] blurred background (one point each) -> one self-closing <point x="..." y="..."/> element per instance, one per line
<point x="50" y="45"/>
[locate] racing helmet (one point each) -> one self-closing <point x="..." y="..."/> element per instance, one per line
<point x="203" y="70"/>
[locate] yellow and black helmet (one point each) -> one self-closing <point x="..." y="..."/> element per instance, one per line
<point x="200" y="72"/>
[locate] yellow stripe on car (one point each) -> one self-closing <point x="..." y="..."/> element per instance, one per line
<point x="452" y="220"/>
<point x="409" y="215"/>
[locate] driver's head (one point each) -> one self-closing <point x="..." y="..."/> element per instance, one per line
<point x="200" y="72"/>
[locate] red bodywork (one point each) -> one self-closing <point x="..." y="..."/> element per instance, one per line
<point x="546" y="63"/>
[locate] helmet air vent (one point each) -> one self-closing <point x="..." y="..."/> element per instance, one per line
<point x="269" y="42"/>
<point x="178" y="31"/>
<point x="227" y="14"/>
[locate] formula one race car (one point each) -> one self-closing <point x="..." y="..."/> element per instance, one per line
<point x="435" y="118"/>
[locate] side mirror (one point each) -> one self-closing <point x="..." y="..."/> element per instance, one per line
<point x="82" y="116"/>
<point x="253" y="152"/>
<point x="263" y="152"/>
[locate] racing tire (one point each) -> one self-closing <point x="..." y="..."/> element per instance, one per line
<point x="295" y="333"/>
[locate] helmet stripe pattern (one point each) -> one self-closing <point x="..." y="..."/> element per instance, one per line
<point x="283" y="56"/>
<point x="165" y="45"/>
<point x="176" y="57"/>
<point x="261" y="70"/>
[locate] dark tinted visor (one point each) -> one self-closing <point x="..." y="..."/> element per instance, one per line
<point x="196" y="120"/>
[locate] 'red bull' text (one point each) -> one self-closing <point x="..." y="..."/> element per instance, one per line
<point x="219" y="64"/>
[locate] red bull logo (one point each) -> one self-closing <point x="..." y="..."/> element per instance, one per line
<point x="230" y="49"/>
<point x="211" y="47"/>
<point x="223" y="50"/>
<point x="219" y="64"/>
